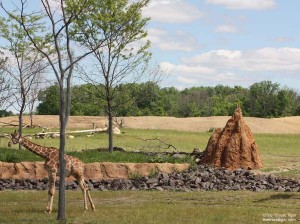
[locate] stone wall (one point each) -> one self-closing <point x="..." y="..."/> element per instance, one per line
<point x="94" y="171"/>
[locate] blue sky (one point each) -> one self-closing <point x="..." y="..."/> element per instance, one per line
<point x="229" y="42"/>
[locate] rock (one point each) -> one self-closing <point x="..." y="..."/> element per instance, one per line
<point x="159" y="189"/>
<point x="152" y="181"/>
<point x="197" y="178"/>
<point x="178" y="156"/>
<point x="121" y="184"/>
<point x="233" y="147"/>
<point x="54" y="136"/>
<point x="295" y="189"/>
<point x="280" y="189"/>
<point x="236" y="187"/>
<point x="116" y="131"/>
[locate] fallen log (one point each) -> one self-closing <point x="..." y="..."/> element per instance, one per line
<point x="91" y="131"/>
<point x="5" y="124"/>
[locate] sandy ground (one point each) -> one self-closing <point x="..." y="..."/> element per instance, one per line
<point x="286" y="125"/>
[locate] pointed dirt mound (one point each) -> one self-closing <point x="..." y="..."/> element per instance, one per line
<point x="233" y="147"/>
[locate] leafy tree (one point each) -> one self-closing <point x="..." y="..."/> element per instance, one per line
<point x="145" y="99"/>
<point x="287" y="102"/>
<point x="267" y="99"/>
<point x="119" y="24"/>
<point x="262" y="100"/>
<point x="168" y="100"/>
<point x="49" y="101"/>
<point x="148" y="99"/>
<point x="85" y="101"/>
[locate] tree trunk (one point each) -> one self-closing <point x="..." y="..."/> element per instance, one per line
<point x="61" y="215"/>
<point x="62" y="174"/>
<point x="110" y="116"/>
<point x="20" y="127"/>
<point x="110" y="131"/>
<point x="31" y="116"/>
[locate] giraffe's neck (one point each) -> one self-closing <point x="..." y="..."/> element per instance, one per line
<point x="41" y="151"/>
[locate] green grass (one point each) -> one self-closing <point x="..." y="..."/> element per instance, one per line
<point x="280" y="153"/>
<point x="131" y="139"/>
<point x="153" y="207"/>
<point x="91" y="156"/>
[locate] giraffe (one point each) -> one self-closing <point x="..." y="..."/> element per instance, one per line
<point x="74" y="167"/>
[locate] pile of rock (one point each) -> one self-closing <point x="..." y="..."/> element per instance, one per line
<point x="200" y="178"/>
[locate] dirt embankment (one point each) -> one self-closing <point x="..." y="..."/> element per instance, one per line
<point x="94" y="171"/>
<point x="285" y="125"/>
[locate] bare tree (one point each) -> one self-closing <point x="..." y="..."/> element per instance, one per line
<point x="55" y="43"/>
<point x="4" y="84"/>
<point x="23" y="65"/>
<point x="33" y="94"/>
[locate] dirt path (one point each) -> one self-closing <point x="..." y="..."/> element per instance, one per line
<point x="286" y="125"/>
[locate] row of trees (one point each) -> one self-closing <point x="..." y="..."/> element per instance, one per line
<point x="263" y="99"/>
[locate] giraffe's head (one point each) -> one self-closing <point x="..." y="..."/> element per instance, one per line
<point x="15" y="137"/>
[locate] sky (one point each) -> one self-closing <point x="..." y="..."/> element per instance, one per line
<point x="228" y="42"/>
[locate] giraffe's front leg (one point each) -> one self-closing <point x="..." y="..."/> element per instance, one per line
<point x="84" y="190"/>
<point x="51" y="191"/>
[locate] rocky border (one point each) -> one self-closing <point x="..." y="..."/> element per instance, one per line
<point x="200" y="178"/>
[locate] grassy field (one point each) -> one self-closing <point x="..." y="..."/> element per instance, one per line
<point x="156" y="207"/>
<point x="280" y="152"/>
<point x="131" y="139"/>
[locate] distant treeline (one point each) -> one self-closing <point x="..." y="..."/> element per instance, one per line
<point x="263" y="99"/>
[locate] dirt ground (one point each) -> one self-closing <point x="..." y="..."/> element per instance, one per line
<point x="285" y="125"/>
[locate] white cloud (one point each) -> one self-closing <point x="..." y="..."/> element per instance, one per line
<point x="264" y="59"/>
<point x="194" y="75"/>
<point x="226" y="29"/>
<point x="11" y="59"/>
<point x="55" y="6"/>
<point x="169" y="67"/>
<point x="187" y="80"/>
<point x="236" y="67"/>
<point x="172" y="11"/>
<point x="244" y="4"/>
<point x="178" y="41"/>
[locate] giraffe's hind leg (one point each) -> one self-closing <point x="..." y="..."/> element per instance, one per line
<point x="83" y="188"/>
<point x="51" y="191"/>
<point x="86" y="193"/>
<point x="90" y="199"/>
